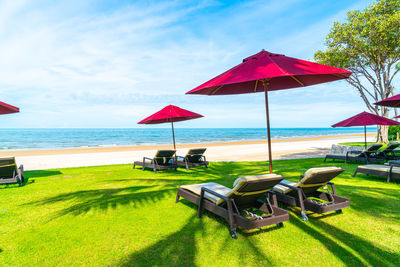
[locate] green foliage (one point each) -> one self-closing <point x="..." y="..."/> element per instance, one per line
<point x="393" y="130"/>
<point x="368" y="44"/>
<point x="368" y="38"/>
<point x="116" y="216"/>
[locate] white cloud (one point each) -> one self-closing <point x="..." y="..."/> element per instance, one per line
<point x="74" y="65"/>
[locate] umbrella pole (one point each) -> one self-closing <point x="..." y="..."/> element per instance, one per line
<point x="365" y="137"/>
<point x="265" y="84"/>
<point x="173" y="134"/>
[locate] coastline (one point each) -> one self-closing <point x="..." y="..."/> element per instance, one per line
<point x="87" y="150"/>
<point x="228" y="151"/>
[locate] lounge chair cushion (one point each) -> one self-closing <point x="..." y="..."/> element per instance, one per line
<point x="8" y="171"/>
<point x="309" y="174"/>
<point x="220" y="189"/>
<point x="283" y="189"/>
<point x="225" y="191"/>
<point x="312" y="171"/>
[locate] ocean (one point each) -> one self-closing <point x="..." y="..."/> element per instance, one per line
<point x="32" y="139"/>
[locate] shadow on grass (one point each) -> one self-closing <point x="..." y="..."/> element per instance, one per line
<point x="225" y="224"/>
<point x="373" y="201"/>
<point x="38" y="174"/>
<point x="222" y="172"/>
<point x="372" y="254"/>
<point x="16" y="185"/>
<point x="177" y="249"/>
<point x="345" y="255"/>
<point x="103" y="199"/>
<point x="180" y="248"/>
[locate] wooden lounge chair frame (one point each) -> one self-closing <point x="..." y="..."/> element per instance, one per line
<point x="366" y="155"/>
<point x="388" y="173"/>
<point x="230" y="210"/>
<point x="16" y="175"/>
<point x="299" y="198"/>
<point x="157" y="163"/>
<point x="188" y="162"/>
<point x="389" y="152"/>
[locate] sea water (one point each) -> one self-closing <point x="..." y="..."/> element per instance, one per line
<point x="30" y="139"/>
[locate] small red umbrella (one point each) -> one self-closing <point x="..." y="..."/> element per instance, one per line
<point x="393" y="101"/>
<point x="265" y="72"/>
<point x="170" y="114"/>
<point x="364" y="119"/>
<point x="7" y="108"/>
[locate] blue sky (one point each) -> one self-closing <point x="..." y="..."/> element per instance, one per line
<point x="112" y="63"/>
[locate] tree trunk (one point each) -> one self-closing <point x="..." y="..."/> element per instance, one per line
<point x="383" y="134"/>
<point x="383" y="129"/>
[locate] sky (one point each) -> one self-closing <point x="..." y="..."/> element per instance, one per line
<point x="105" y="64"/>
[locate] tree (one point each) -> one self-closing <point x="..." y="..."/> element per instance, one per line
<point x="368" y="44"/>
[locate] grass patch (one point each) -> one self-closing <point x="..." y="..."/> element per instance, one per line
<point x="362" y="144"/>
<point x="113" y="215"/>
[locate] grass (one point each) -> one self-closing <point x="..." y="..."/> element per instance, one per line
<point x="113" y="215"/>
<point x="357" y="143"/>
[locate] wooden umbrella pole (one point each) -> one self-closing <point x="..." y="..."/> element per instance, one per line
<point x="365" y="137"/>
<point x="173" y="134"/>
<point x="265" y="84"/>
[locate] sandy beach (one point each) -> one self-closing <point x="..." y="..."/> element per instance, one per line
<point x="229" y="151"/>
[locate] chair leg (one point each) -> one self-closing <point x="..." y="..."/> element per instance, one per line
<point x="355" y="173"/>
<point x="232" y="225"/>
<point x="303" y="210"/>
<point x="200" y="209"/>
<point x="389" y="174"/>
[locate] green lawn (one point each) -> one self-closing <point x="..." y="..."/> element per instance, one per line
<point x="113" y="215"/>
<point x="361" y="144"/>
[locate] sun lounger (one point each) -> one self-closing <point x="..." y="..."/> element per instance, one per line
<point x="164" y="159"/>
<point x="390" y="171"/>
<point x="389" y="152"/>
<point x="305" y="194"/>
<point x="238" y="205"/>
<point x="194" y="157"/>
<point x="10" y="173"/>
<point x="370" y="154"/>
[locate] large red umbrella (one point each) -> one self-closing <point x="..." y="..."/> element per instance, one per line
<point x="265" y="72"/>
<point x="364" y="119"/>
<point x="393" y="101"/>
<point x="7" y="108"/>
<point x="170" y="114"/>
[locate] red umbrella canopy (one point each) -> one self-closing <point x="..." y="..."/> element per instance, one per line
<point x="7" y="108"/>
<point x="393" y="101"/>
<point x="364" y="119"/>
<point x="170" y="114"/>
<point x="281" y="72"/>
